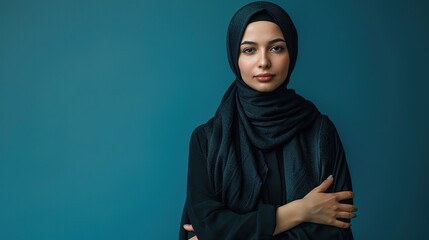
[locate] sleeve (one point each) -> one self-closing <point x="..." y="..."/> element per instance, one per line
<point x="209" y="216"/>
<point x="329" y="150"/>
<point x="333" y="156"/>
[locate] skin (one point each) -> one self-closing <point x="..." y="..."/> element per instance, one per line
<point x="263" y="51"/>
<point x="316" y="207"/>
<point x="189" y="228"/>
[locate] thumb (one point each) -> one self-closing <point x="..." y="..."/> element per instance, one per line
<point x="324" y="185"/>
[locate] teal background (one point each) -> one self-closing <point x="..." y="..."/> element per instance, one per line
<point x="98" y="100"/>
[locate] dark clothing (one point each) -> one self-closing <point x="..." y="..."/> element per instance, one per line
<point x="260" y="150"/>
<point x="293" y="169"/>
<point x="248" y="119"/>
<point x="245" y="121"/>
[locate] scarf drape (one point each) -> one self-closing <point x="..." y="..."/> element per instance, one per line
<point x="249" y="123"/>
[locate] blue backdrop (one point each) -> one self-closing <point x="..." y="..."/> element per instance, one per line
<point x="98" y="100"/>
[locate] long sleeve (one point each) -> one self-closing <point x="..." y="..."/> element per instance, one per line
<point x="333" y="159"/>
<point x="304" y="163"/>
<point x="209" y="216"/>
<point x="309" y="159"/>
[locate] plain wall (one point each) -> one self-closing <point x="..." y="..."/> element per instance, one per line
<point x="98" y="100"/>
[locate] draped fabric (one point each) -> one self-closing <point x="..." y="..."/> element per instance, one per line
<point x="260" y="150"/>
<point x="249" y="122"/>
<point x="242" y="130"/>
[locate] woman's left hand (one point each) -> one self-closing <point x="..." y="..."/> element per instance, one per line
<point x="326" y="208"/>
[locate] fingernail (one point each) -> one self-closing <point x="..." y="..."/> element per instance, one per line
<point x="330" y="177"/>
<point x="185" y="225"/>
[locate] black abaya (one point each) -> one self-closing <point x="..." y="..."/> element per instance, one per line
<point x="293" y="170"/>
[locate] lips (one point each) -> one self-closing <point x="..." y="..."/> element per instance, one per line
<point x="264" y="77"/>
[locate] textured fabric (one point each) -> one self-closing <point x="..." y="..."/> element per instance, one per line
<point x="247" y="119"/>
<point x="292" y="171"/>
<point x="261" y="16"/>
<point x="251" y="157"/>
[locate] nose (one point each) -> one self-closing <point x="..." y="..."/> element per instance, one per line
<point x="264" y="61"/>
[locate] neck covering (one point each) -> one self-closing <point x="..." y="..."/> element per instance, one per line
<point x="249" y="123"/>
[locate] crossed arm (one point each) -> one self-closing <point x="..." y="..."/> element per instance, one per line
<point x="330" y="210"/>
<point x="316" y="207"/>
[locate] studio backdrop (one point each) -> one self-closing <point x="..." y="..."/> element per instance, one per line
<point x="98" y="100"/>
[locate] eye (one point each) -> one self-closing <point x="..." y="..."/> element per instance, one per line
<point x="277" y="49"/>
<point x="248" y="51"/>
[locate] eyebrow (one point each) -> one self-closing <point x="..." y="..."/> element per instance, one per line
<point x="270" y="42"/>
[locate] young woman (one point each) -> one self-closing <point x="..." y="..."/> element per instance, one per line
<point x="268" y="165"/>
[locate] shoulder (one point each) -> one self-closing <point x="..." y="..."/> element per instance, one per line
<point x="318" y="127"/>
<point x="201" y="134"/>
<point x="203" y="131"/>
<point x="321" y="133"/>
<point x="328" y="135"/>
<point x="328" y="131"/>
<point x="326" y="125"/>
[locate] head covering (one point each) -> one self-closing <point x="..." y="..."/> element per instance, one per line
<point x="260" y="11"/>
<point x="261" y="16"/>
<point x="249" y="123"/>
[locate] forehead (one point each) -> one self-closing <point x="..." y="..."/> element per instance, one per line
<point x="262" y="30"/>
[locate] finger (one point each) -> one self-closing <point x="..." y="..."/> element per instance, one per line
<point x="347" y="207"/>
<point x="344" y="195"/>
<point x="340" y="224"/>
<point x="324" y="185"/>
<point x="193" y="238"/>
<point x="188" y="227"/>
<point x="346" y="215"/>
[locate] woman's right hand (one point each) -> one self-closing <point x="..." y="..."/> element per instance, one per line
<point x="325" y="208"/>
<point x="189" y="228"/>
<point x="316" y="207"/>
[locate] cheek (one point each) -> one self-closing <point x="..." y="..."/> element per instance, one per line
<point x="286" y="60"/>
<point x="245" y="67"/>
<point x="285" y="63"/>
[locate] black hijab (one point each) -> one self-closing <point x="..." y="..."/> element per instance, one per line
<point x="249" y="123"/>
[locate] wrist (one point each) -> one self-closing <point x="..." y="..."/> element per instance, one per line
<point x="288" y="216"/>
<point x="300" y="210"/>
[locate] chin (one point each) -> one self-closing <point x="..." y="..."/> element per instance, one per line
<point x="265" y="87"/>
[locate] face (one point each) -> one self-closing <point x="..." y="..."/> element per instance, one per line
<point x="264" y="58"/>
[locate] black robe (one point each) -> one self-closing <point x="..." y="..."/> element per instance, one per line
<point x="294" y="169"/>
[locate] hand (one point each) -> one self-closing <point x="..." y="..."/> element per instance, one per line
<point x="325" y="208"/>
<point x="189" y="228"/>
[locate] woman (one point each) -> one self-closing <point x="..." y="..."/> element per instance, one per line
<point x="255" y="167"/>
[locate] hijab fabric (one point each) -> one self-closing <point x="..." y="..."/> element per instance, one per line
<point x="249" y="123"/>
